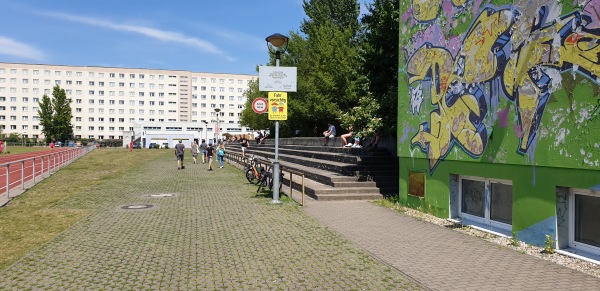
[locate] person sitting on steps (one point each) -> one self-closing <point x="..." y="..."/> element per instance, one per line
<point x="259" y="137"/>
<point x="329" y="133"/>
<point x="265" y="135"/>
<point x="347" y="136"/>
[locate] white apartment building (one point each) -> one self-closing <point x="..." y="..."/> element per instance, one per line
<point x="109" y="101"/>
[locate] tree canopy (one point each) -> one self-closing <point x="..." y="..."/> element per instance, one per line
<point x="344" y="64"/>
<point x="55" y="115"/>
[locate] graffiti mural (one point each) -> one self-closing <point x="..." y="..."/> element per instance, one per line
<point x="513" y="54"/>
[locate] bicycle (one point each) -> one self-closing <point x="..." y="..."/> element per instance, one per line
<point x="267" y="179"/>
<point x="253" y="171"/>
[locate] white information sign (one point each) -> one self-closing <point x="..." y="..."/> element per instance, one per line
<point x="277" y="79"/>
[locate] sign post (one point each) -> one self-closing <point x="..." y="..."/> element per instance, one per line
<point x="277" y="79"/>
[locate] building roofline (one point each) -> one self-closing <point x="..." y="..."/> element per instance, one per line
<point x="126" y="68"/>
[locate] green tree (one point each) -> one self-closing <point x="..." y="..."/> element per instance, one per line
<point x="46" y="114"/>
<point x="326" y="52"/>
<point x="55" y="115"/>
<point x="330" y="60"/>
<point x="363" y="117"/>
<point x="379" y="40"/>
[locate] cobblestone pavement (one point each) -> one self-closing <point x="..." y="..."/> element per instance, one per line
<point x="442" y="259"/>
<point x="213" y="233"/>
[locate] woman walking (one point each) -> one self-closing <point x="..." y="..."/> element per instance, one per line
<point x="195" y="151"/>
<point x="221" y="154"/>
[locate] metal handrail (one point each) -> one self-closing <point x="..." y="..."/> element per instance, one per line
<point x="240" y="161"/>
<point x="41" y="166"/>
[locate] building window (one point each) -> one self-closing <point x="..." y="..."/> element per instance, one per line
<point x="486" y="201"/>
<point x="583" y="217"/>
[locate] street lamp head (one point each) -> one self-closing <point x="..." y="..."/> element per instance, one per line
<point x="277" y="40"/>
<point x="217" y="110"/>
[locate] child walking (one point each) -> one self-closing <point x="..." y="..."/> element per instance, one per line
<point x="209" y="155"/>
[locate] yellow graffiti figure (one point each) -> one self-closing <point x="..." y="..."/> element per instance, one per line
<point x="428" y="10"/>
<point x="526" y="79"/>
<point x="459" y="111"/>
<point x="503" y="50"/>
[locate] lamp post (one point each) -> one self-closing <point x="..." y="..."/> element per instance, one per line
<point x="205" y="129"/>
<point x="279" y="41"/>
<point x="217" y="130"/>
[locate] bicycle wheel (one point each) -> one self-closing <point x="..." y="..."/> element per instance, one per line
<point x="280" y="183"/>
<point x="251" y="177"/>
<point x="263" y="182"/>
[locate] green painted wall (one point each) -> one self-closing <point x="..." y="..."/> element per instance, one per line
<point x="534" y="188"/>
<point x="499" y="89"/>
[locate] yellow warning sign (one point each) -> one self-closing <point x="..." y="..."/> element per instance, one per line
<point x="277" y="105"/>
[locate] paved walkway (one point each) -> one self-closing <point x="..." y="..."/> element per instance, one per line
<point x="440" y="258"/>
<point x="210" y="231"/>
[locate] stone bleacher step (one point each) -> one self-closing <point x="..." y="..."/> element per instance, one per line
<point x="349" y="196"/>
<point x="333" y="173"/>
<point x="355" y="184"/>
<point x="323" y="192"/>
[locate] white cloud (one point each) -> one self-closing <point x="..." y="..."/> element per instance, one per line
<point x="161" y="35"/>
<point x="14" y="48"/>
<point x="235" y="37"/>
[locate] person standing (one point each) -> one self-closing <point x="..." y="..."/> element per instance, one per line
<point x="52" y="145"/>
<point x="179" y="151"/>
<point x="245" y="144"/>
<point x="209" y="155"/>
<point x="329" y="133"/>
<point x="130" y="146"/>
<point x="195" y="151"/>
<point x="221" y="154"/>
<point x="203" y="147"/>
<point x="1" y="146"/>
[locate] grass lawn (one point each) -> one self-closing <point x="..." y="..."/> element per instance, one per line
<point x="22" y="150"/>
<point x="29" y="220"/>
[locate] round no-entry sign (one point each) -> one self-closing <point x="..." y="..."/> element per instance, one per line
<point x="259" y="105"/>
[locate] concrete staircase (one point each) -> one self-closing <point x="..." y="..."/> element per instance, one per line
<point x="334" y="173"/>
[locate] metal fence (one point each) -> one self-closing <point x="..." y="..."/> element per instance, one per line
<point x="240" y="161"/>
<point x="20" y="175"/>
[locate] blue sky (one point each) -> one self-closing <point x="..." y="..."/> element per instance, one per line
<point x="225" y="36"/>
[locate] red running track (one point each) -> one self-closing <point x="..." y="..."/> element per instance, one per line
<point x="20" y="171"/>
